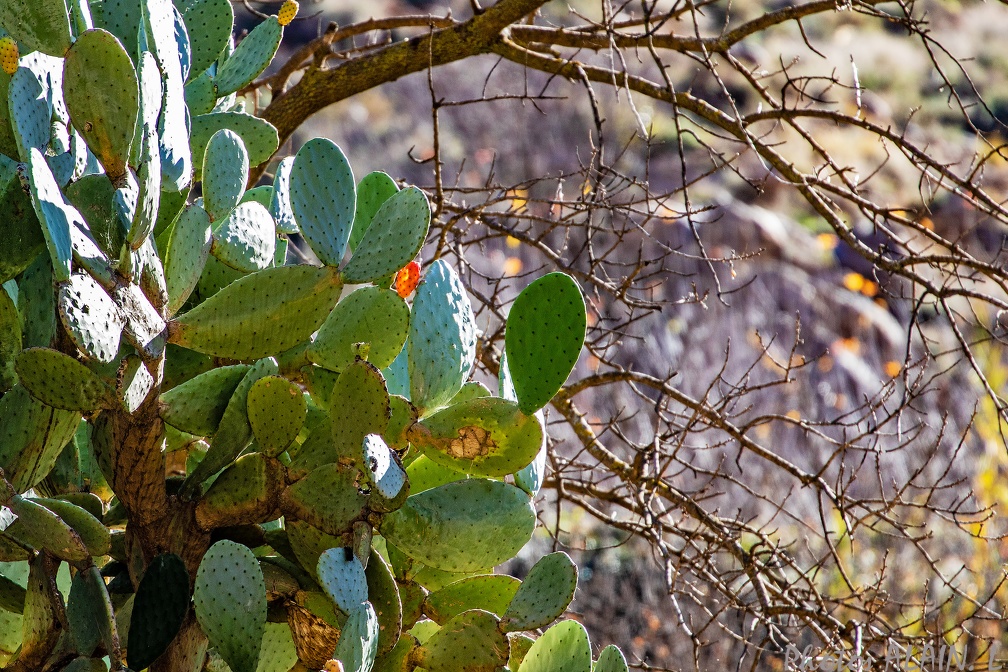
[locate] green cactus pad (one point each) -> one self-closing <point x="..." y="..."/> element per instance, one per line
<point x="39" y="528"/>
<point x="544" y="335"/>
<point x="250" y="57"/>
<point x="61" y="381"/>
<point x="226" y="166"/>
<point x="246" y="239"/>
<point x="243" y="494"/>
<point x="94" y="321"/>
<point x="611" y="660"/>
<point x="470" y="642"/>
<point x="383" y="593"/>
<point x="134" y="383"/>
<point x="260" y="314"/>
<point x="398" y="659"/>
<point x="230" y="600"/>
<point x="424" y="474"/>
<point x="92" y="196"/>
<point x="471" y="390"/>
<point x="10" y="341"/>
<point x="326" y="498"/>
<point x="38" y="25"/>
<point x="323" y="198"/>
<point x="216" y="276"/>
<point x="393" y="238"/>
<point x="544" y="595"/>
<point x="209" y="24"/>
<point x="12" y="595"/>
<point x="490" y="592"/>
<point x="280" y="206"/>
<point x="412" y="596"/>
<point x="308" y="543"/>
<point x="386" y="474"/>
<point x="186" y="255"/>
<point x="372" y="191"/>
<point x="197" y="405"/>
<point x="32" y="436"/>
<point x="278" y="653"/>
<point x="342" y="577"/>
<point x="320" y="383"/>
<point x="89" y="529"/>
<point x="462" y="526"/>
<point x="520" y="645"/>
<point x="164" y="31"/>
<point x="160" y="606"/>
<point x="485" y="436"/>
<point x="276" y="411"/>
<point x="367" y="315"/>
<point x="402" y="418"/>
<point x="263" y="195"/>
<point x="442" y="340"/>
<point x="90" y="615"/>
<point x="562" y="648"/>
<point x="147" y="153"/>
<point x="530" y="478"/>
<point x="22" y="240"/>
<point x="234" y="432"/>
<point x="358" y="643"/>
<point x="56" y="215"/>
<point x="30" y="112"/>
<point x="260" y="136"/>
<point x="102" y="94"/>
<point x="200" y="95"/>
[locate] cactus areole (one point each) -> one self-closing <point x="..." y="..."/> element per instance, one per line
<point x="226" y="440"/>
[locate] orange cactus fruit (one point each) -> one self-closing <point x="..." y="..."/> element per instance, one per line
<point x="407" y="279"/>
<point x="288" y="10"/>
<point x="8" y="55"/>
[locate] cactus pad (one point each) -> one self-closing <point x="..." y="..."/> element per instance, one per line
<point x="39" y="528"/>
<point x="249" y="58"/>
<point x="197" y="405"/>
<point x="245" y="493"/>
<point x="234" y="432"/>
<point x="323" y="198"/>
<point x="10" y="341"/>
<point x="102" y="94"/>
<point x="358" y="644"/>
<point x="442" y="340"/>
<point x="160" y="606"/>
<point x="40" y="25"/>
<point x="134" y="383"/>
<point x="308" y="543"/>
<point x="260" y="314"/>
<point x="226" y="165"/>
<point x="470" y="642"/>
<point x="544" y="595"/>
<point x="384" y="471"/>
<point x="89" y="614"/>
<point x="280" y="206"/>
<point x="263" y="195"/>
<point x="164" y="31"/>
<point x="373" y="190"/>
<point x="246" y="240"/>
<point x="544" y="334"/>
<point x="276" y="411"/>
<point x="230" y="600"/>
<point x="562" y="648"/>
<point x="32" y="435"/>
<point x="463" y="526"/>
<point x="368" y="315"/>
<point x="94" y="321"/>
<point x="259" y="136"/>
<point x="398" y="659"/>
<point x="30" y="111"/>
<point x="520" y="645"/>
<point x="393" y="238"/>
<point x="8" y="55"/>
<point x="486" y="436"/>
<point x="342" y="577"/>
<point x="490" y="592"/>
<point x="56" y="215"/>
<point x="288" y="10"/>
<point x="363" y="408"/>
<point x="611" y="660"/>
<point x="209" y="23"/>
<point x="186" y="255"/>
<point x="424" y="474"/>
<point x="278" y="652"/>
<point x="383" y="593"/>
<point x="60" y="381"/>
<point x="402" y="417"/>
<point x="326" y="498"/>
<point x="92" y="533"/>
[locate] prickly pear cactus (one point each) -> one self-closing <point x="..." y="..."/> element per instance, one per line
<point x="165" y="368"/>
